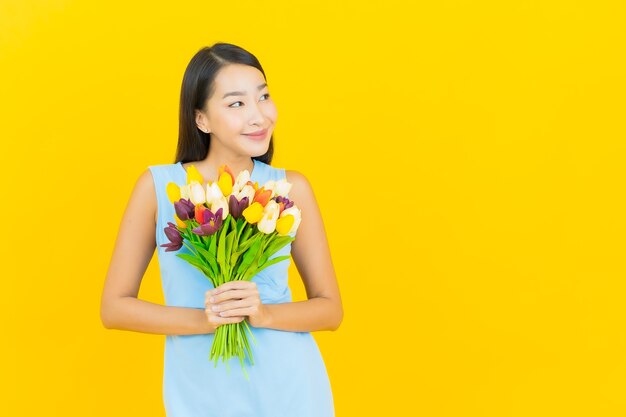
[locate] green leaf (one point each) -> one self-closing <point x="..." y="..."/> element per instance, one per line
<point x="193" y="260"/>
<point x="250" y="254"/>
<point x="254" y="267"/>
<point x="208" y="258"/>
<point x="221" y="246"/>
<point x="272" y="262"/>
<point x="277" y="244"/>
<point x="229" y="249"/>
<point x="212" y="246"/>
<point x="248" y="231"/>
<point x="244" y="247"/>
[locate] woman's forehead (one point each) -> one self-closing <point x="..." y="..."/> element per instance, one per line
<point x="239" y="78"/>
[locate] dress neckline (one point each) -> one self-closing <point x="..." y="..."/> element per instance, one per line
<point x="252" y="174"/>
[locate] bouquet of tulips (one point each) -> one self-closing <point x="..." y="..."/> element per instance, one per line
<point x="231" y="228"/>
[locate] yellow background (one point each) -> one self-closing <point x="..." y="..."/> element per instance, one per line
<point x="468" y="158"/>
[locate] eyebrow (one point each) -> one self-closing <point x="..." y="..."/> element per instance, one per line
<point x="243" y="93"/>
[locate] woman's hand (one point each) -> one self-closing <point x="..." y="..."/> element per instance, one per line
<point x="235" y="299"/>
<point x="214" y="317"/>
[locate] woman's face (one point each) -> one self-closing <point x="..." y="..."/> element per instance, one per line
<point x="240" y="105"/>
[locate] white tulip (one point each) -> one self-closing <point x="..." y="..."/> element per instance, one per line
<point x="282" y="187"/>
<point x="213" y="193"/>
<point x="270" y="185"/>
<point x="184" y="191"/>
<point x="196" y="193"/>
<point x="241" y="180"/>
<point x="220" y="203"/>
<point x="267" y="224"/>
<point x="246" y="191"/>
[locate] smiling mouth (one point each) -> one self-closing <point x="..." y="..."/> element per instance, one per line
<point x="257" y="134"/>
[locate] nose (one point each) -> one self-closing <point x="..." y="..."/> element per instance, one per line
<point x="257" y="117"/>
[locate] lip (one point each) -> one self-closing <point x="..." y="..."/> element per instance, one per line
<point x="257" y="134"/>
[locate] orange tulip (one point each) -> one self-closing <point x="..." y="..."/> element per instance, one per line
<point x="262" y="196"/>
<point x="199" y="213"/>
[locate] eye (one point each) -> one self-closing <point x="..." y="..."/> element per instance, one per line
<point x="233" y="104"/>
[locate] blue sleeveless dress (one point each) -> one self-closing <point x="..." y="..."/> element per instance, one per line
<point x="288" y="378"/>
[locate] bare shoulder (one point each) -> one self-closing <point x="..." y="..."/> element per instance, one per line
<point x="145" y="184"/>
<point x="301" y="188"/>
<point x="144" y="193"/>
<point x="145" y="181"/>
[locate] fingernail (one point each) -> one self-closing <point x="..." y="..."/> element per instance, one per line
<point x="212" y="299"/>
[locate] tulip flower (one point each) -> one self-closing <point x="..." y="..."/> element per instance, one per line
<point x="282" y="187"/>
<point x="267" y="224"/>
<point x="297" y="214"/>
<point x="211" y="223"/>
<point x="194" y="175"/>
<point x="196" y="193"/>
<point x="246" y="191"/>
<point x="221" y="203"/>
<point x="199" y="213"/>
<point x="225" y="168"/>
<point x="253" y="213"/>
<point x="225" y="182"/>
<point x="173" y="192"/>
<point x="241" y="181"/>
<point x="213" y="193"/>
<point x="184" y="191"/>
<point x="262" y="196"/>
<point x="284" y="224"/>
<point x="185" y="209"/>
<point x="269" y="185"/>
<point x="284" y="203"/>
<point x="236" y="207"/>
<point x="176" y="239"/>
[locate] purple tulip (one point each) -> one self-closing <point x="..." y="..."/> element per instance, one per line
<point x="185" y="209"/>
<point x="281" y="199"/>
<point x="237" y="207"/>
<point x="211" y="224"/>
<point x="176" y="239"/>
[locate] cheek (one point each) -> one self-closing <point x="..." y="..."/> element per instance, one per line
<point x="270" y="111"/>
<point x="231" y="121"/>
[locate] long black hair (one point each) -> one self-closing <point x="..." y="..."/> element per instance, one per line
<point x="198" y="86"/>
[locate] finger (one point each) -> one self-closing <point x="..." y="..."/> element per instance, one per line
<point x="214" y="317"/>
<point x="237" y="293"/>
<point x="231" y="285"/>
<point x="229" y="305"/>
<point x="246" y="311"/>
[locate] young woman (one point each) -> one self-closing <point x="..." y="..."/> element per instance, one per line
<point x="227" y="117"/>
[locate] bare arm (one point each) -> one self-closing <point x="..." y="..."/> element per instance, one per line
<point x="323" y="309"/>
<point x="120" y="308"/>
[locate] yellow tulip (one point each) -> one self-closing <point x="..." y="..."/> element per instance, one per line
<point x="253" y="213"/>
<point x="295" y="212"/>
<point x="284" y="224"/>
<point x="194" y="175"/>
<point x="225" y="182"/>
<point x="173" y="192"/>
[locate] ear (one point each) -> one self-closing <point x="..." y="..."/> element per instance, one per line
<point x="202" y="122"/>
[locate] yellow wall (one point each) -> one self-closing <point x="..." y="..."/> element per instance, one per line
<point x="468" y="157"/>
